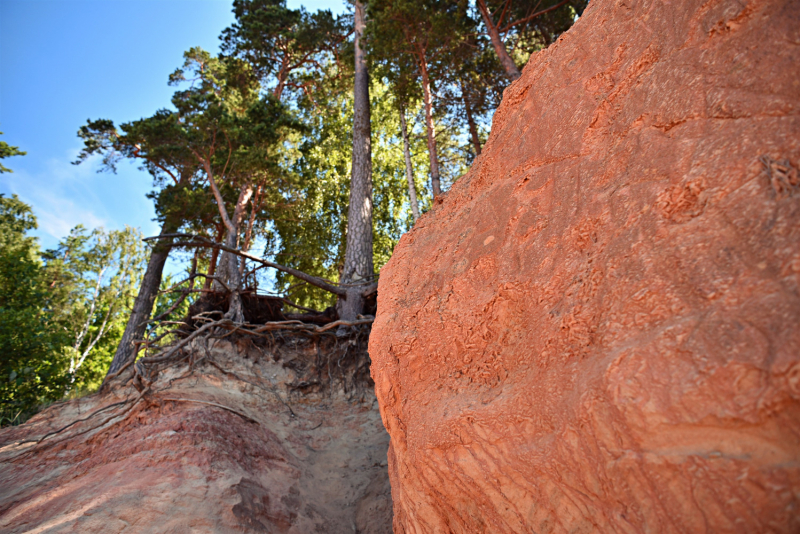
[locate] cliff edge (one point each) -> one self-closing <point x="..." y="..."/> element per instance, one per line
<point x="277" y="433"/>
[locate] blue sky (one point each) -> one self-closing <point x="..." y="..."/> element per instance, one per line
<point x="65" y="61"/>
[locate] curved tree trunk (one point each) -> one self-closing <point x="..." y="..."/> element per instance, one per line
<point x="497" y="43"/>
<point x="358" y="266"/>
<point x="412" y="189"/>
<point x="143" y="305"/>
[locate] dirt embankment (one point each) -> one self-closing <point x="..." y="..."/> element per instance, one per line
<point x="271" y="436"/>
<point x="597" y="329"/>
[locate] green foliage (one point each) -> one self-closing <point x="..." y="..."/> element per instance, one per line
<point x="274" y="112"/>
<point x="94" y="277"/>
<point x="6" y="151"/>
<point x="233" y="130"/>
<point x="62" y="313"/>
<point x="32" y="365"/>
<point x="288" y="48"/>
<point x="310" y="235"/>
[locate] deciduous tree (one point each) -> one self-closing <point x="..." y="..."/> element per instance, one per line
<point x="6" y="151"/>
<point x="425" y="30"/>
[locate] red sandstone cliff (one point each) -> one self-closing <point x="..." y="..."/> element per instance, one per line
<point x="597" y="329"/>
<point x="252" y="437"/>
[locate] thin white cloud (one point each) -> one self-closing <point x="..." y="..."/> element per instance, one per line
<point x="53" y="194"/>
<point x="64" y="196"/>
<point x="57" y="216"/>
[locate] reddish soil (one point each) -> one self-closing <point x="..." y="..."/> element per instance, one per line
<point x="596" y="329"/>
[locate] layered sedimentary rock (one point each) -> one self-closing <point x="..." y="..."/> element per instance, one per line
<point x="240" y="437"/>
<point x="597" y="330"/>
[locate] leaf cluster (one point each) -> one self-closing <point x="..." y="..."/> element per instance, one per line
<point x="59" y="307"/>
<point x="6" y="151"/>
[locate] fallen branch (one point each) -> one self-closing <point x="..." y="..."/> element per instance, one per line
<point x="199" y="241"/>
<point x="369" y="290"/>
<point x="299" y="307"/>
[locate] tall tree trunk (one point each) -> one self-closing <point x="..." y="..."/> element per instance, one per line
<point x="412" y="190"/>
<point x="229" y="263"/>
<point x="248" y="235"/>
<point x="143" y="305"/>
<point x="212" y="263"/>
<point x="358" y="264"/>
<point x="497" y="43"/>
<point x="432" y="154"/>
<point x="473" y="128"/>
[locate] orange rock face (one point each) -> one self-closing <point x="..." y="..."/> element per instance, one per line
<point x="597" y="329"/>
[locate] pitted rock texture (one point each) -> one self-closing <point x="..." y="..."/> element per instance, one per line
<point x="597" y="329"/>
<point x="252" y="439"/>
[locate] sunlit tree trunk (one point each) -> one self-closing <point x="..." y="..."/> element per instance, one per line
<point x="497" y="43"/>
<point x="427" y="99"/>
<point x="358" y="264"/>
<point x="212" y="263"/>
<point x="229" y="263"/>
<point x="412" y="189"/>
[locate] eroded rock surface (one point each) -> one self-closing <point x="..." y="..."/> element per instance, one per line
<point x="597" y="329"/>
<point x="281" y="438"/>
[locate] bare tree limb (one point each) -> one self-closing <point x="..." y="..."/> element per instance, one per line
<point x="531" y="17"/>
<point x="369" y="290"/>
<point x="199" y="241"/>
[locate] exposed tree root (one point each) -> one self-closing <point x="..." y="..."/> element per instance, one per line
<point x="240" y="414"/>
<point x="38" y="442"/>
<point x="147" y="368"/>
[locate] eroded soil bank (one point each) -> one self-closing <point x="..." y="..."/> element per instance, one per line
<point x="242" y="436"/>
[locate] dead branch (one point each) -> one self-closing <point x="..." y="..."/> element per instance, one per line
<point x="199" y="241"/>
<point x="370" y="290"/>
<point x="182" y="343"/>
<point x="299" y="307"/>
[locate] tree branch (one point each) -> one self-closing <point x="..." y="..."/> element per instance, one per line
<point x="199" y="241"/>
<point x="530" y="17"/>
